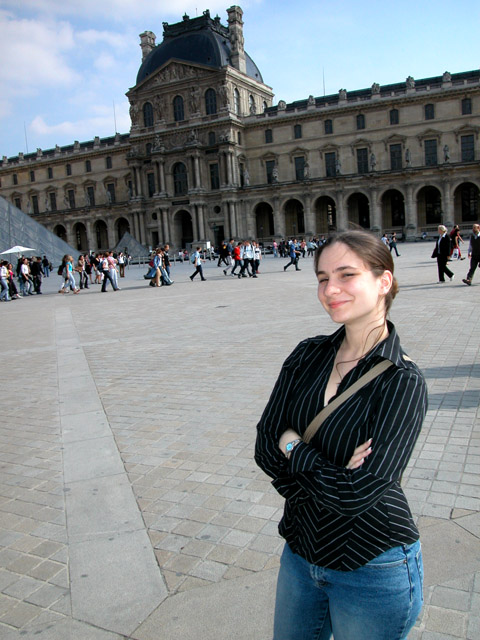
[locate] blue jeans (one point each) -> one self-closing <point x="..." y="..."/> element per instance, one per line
<point x="379" y="601"/>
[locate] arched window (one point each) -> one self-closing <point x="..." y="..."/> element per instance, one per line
<point x="210" y="102"/>
<point x="236" y="101"/>
<point x="148" y="114"/>
<point x="265" y="106"/>
<point x="178" y="110"/>
<point x="211" y="138"/>
<point x="180" y="182"/>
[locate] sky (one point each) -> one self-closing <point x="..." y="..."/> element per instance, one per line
<point x="66" y="64"/>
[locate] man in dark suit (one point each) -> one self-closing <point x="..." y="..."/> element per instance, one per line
<point x="473" y="253"/>
<point x="441" y="253"/>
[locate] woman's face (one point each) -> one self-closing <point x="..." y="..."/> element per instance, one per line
<point x="348" y="290"/>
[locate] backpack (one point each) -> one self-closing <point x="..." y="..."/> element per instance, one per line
<point x="60" y="269"/>
<point x="192" y="258"/>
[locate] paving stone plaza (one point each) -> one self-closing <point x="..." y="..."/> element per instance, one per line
<point x="130" y="503"/>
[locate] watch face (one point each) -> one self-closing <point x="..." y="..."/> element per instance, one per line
<point x="289" y="446"/>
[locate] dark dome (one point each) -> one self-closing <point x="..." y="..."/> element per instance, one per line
<point x="202" y="46"/>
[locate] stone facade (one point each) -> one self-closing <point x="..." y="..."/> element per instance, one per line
<point x="208" y="157"/>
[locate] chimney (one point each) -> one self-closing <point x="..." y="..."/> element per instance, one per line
<point x="147" y="43"/>
<point x="235" y="28"/>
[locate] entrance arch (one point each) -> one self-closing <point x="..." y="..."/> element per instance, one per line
<point x="61" y="232"/>
<point x="325" y="215"/>
<point x="429" y="206"/>
<point x="80" y="237"/>
<point x="264" y="219"/>
<point x="101" y="235"/>
<point x="358" y="210"/>
<point x="182" y="229"/>
<point x="393" y="209"/>
<point x="466" y="199"/>
<point x="294" y="218"/>
<point x="122" y="226"/>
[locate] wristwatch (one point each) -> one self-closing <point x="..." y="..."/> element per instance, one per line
<point x="290" y="447"/>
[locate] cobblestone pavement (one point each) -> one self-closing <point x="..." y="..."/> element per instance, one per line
<point x="134" y="413"/>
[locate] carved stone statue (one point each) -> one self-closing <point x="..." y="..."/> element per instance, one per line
<point x="223" y="94"/>
<point x="253" y="108"/>
<point x="373" y="161"/>
<point x="246" y="177"/>
<point x="375" y="89"/>
<point x="109" y="196"/>
<point x="159" y="106"/>
<point x="306" y="170"/>
<point x="282" y="105"/>
<point x="311" y="101"/>
<point x="133" y="113"/>
<point x="338" y="167"/>
<point x="66" y="202"/>
<point x="47" y="203"/>
<point x="408" y="158"/>
<point x="158" y="144"/>
<point x="410" y="82"/>
<point x="342" y="94"/>
<point x="194" y="96"/>
<point x="447" y="77"/>
<point x="275" y="174"/>
<point x="446" y="153"/>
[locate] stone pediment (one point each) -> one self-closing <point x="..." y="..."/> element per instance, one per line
<point x="175" y="71"/>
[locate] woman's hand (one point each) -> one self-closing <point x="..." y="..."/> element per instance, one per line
<point x="287" y="436"/>
<point x="359" y="455"/>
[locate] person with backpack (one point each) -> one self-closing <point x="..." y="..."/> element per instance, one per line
<point x="196" y="260"/>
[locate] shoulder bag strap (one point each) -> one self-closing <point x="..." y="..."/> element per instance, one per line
<point x="326" y="411"/>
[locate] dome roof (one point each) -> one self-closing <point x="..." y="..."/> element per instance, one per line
<point x="198" y="40"/>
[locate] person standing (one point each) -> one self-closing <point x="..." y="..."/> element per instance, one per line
<point x="37" y="272"/>
<point x="441" y="253"/>
<point x="46" y="266"/>
<point x="26" y="278"/>
<point x="473" y="253"/>
<point x="121" y="264"/>
<point x="82" y="274"/>
<point x="248" y="257"/>
<point x="352" y="561"/>
<point x="4" y="295"/>
<point x="294" y="255"/>
<point x="197" y="261"/>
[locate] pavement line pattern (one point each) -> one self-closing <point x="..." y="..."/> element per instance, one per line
<point x="115" y="578"/>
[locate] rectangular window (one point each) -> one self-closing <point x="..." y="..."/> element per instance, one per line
<point x="111" y="193"/>
<point x="297" y="131"/>
<point x="32" y="176"/>
<point x="268" y="136"/>
<point x="360" y="121"/>
<point x="151" y="184"/>
<point x="331" y="164"/>
<point x="394" y="118"/>
<point x="270" y="166"/>
<point x="18" y="203"/>
<point x="14" y="178"/>
<point x="362" y="160"/>
<point x="214" y="176"/>
<point x="466" y="107"/>
<point x="35" y="204"/>
<point x="328" y="126"/>
<point x="91" y="196"/>
<point x="299" y="168"/>
<point x="53" y="201"/>
<point x="50" y="173"/>
<point x="108" y="162"/>
<point x="68" y="169"/>
<point x="88" y="166"/>
<point x="429" y="112"/>
<point x="71" y="198"/>
<point x="431" y="159"/>
<point x="239" y="137"/>
<point x="468" y="148"/>
<point x="395" y="157"/>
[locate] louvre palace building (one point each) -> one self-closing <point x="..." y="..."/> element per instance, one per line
<point x="210" y="155"/>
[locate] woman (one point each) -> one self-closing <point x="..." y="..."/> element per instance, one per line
<point x="4" y="295"/>
<point x="69" y="277"/>
<point x="346" y="516"/>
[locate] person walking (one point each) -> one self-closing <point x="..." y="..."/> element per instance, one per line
<point x="352" y="561"/>
<point x="294" y="255"/>
<point x="393" y="243"/>
<point x="441" y="253"/>
<point x="197" y="261"/>
<point x="237" y="259"/>
<point x="473" y="253"/>
<point x="104" y="269"/>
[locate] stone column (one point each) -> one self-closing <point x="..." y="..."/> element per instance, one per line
<point x="196" y="164"/>
<point x="309" y="216"/>
<point x="448" y="213"/>
<point x="110" y="234"/>
<point x="222" y="167"/>
<point x="163" y="224"/>
<point x="200" y="221"/>
<point x="342" y="216"/>
<point x="161" y="176"/>
<point x="376" y="221"/>
<point x="278" y="219"/>
<point x="91" y="236"/>
<point x="231" y="222"/>
<point x="411" y="214"/>
<point x="229" y="168"/>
